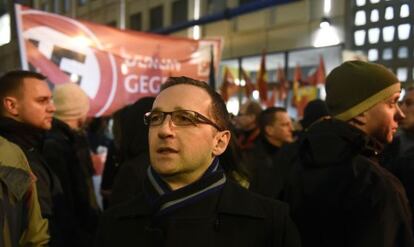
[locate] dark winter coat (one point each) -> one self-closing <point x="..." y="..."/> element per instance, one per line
<point x="340" y="196"/>
<point x="265" y="176"/>
<point x="65" y="157"/>
<point x="239" y="218"/>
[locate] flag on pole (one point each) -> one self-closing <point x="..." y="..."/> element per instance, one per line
<point x="282" y="86"/>
<point x="228" y="86"/>
<point x="249" y="86"/>
<point x="297" y="77"/>
<point x="318" y="77"/>
<point x="212" y="72"/>
<point x="261" y="79"/>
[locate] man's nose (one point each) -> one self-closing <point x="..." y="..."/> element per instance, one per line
<point x="165" y="129"/>
<point x="399" y="114"/>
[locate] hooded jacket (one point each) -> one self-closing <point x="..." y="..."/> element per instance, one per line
<point x="340" y="196"/>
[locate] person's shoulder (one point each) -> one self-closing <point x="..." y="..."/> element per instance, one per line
<point x="12" y="156"/>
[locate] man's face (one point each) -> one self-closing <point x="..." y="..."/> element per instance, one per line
<point x="382" y="119"/>
<point x="281" y="131"/>
<point x="34" y="106"/>
<point x="183" y="153"/>
<point x="407" y="107"/>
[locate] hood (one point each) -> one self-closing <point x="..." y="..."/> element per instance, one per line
<point x="333" y="142"/>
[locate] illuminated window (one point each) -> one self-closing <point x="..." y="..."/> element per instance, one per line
<point x="404" y="31"/>
<point x="374" y="15"/>
<point x="388" y="33"/>
<point x="387" y="54"/>
<point x="403" y="52"/>
<point x="360" y="18"/>
<point x="373" y="54"/>
<point x="360" y="2"/>
<point x="374" y="1"/>
<point x="404" y="11"/>
<point x="389" y="13"/>
<point x="373" y="35"/>
<point x="402" y="74"/>
<point x="359" y="37"/>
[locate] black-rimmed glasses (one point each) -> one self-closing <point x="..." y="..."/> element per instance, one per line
<point x="179" y="118"/>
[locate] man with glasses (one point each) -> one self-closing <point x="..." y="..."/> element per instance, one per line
<point x="188" y="199"/>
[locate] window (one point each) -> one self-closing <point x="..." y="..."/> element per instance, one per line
<point x="403" y="52"/>
<point x="402" y="74"/>
<point x="374" y="15"/>
<point x="360" y="2"/>
<point x="373" y="35"/>
<point x="374" y="1"/>
<point x="156" y="17"/>
<point x="359" y="37"/>
<point x="373" y="54"/>
<point x="179" y="11"/>
<point x="360" y="18"/>
<point x="404" y="11"/>
<point x="387" y="54"/>
<point x="388" y="33"/>
<point x="404" y="31"/>
<point x="135" y="21"/>
<point x="389" y="13"/>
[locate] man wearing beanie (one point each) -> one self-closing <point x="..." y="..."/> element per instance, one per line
<point x="67" y="152"/>
<point x="339" y="195"/>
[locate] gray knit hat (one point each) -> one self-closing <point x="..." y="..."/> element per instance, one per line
<point x="355" y="86"/>
<point x="71" y="101"/>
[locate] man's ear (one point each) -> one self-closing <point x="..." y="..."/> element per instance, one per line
<point x="359" y="120"/>
<point x="222" y="141"/>
<point x="10" y="106"/>
<point x="268" y="129"/>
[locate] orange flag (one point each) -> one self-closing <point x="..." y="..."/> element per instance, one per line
<point x="261" y="79"/>
<point x="283" y="88"/>
<point x="249" y="87"/>
<point x="297" y="77"/>
<point x="228" y="87"/>
<point x="319" y="76"/>
<point x="273" y="97"/>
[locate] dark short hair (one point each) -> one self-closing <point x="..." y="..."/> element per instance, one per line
<point x="253" y="108"/>
<point x="268" y="117"/>
<point x="218" y="108"/>
<point x="12" y="82"/>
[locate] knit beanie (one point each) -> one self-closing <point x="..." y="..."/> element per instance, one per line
<point x="71" y="101"/>
<point x="313" y="111"/>
<point x="355" y="86"/>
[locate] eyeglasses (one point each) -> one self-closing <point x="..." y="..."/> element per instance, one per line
<point x="179" y="118"/>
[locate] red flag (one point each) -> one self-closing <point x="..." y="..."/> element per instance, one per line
<point x="297" y="77"/>
<point x="261" y="79"/>
<point x="281" y="78"/>
<point x="249" y="87"/>
<point x="273" y="97"/>
<point x="228" y="87"/>
<point x="319" y="76"/>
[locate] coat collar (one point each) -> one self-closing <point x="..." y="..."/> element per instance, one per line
<point x="234" y="200"/>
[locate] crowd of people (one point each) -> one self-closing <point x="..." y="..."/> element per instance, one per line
<point x="180" y="171"/>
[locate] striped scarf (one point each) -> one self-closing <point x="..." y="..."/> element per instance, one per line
<point x="164" y="200"/>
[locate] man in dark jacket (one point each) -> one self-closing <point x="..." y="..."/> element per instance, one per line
<point x="266" y="176"/>
<point x="339" y="194"/>
<point x="67" y="153"/>
<point x="26" y="113"/>
<point x="187" y="198"/>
